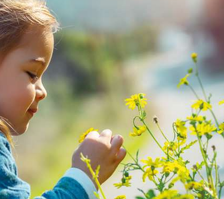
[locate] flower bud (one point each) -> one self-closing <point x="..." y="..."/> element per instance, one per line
<point x="123" y="180"/>
<point x="155" y="119"/>
<point x="194" y="57"/>
<point x="190" y="70"/>
<point x="170" y="185"/>
<point x="141" y="95"/>
<point x="126" y="174"/>
<point x="167" y="174"/>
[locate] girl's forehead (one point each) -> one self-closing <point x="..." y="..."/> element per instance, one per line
<point x="38" y="43"/>
<point x="35" y="36"/>
<point x="35" y="44"/>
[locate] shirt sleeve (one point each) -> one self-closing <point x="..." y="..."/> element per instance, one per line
<point x="75" y="184"/>
<point x="83" y="179"/>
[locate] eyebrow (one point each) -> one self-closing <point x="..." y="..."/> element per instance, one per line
<point x="39" y="60"/>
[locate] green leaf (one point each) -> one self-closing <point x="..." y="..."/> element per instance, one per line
<point x="209" y="98"/>
<point x="192" y="123"/>
<point x="139" y="197"/>
<point x="188" y="146"/>
<point x="143" y="115"/>
<point x="170" y="185"/>
<point x="221" y="184"/>
<point x="151" y="194"/>
<point x="199" y="166"/>
<point x="187" y="162"/>
<point x="137" y="155"/>
<point x="201" y="106"/>
<point x="208" y="136"/>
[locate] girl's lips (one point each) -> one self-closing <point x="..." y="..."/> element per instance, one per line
<point x="32" y="111"/>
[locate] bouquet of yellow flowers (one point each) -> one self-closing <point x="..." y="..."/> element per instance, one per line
<point x="202" y="180"/>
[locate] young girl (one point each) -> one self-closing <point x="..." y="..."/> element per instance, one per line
<point x="26" y="47"/>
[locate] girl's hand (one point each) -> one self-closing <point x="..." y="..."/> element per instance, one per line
<point x="102" y="149"/>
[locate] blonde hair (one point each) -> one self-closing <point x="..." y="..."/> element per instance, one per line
<point x="16" y="16"/>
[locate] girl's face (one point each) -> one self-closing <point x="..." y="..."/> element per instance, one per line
<point x="21" y="72"/>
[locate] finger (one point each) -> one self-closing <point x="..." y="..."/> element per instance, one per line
<point x="112" y="138"/>
<point x="120" y="155"/>
<point x="106" y="134"/>
<point x="116" y="143"/>
<point x="93" y="134"/>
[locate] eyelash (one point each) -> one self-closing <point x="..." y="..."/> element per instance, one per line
<point x="32" y="76"/>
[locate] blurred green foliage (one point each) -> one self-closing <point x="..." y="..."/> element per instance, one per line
<point x="95" y="59"/>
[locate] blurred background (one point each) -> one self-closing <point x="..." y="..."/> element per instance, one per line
<point x="107" y="51"/>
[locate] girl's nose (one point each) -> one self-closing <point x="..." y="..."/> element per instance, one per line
<point x="41" y="92"/>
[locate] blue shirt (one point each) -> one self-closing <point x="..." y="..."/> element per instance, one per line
<point x="75" y="184"/>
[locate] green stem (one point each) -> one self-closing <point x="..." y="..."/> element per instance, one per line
<point x="220" y="191"/>
<point x="169" y="179"/>
<point x="209" y="176"/>
<point x="95" y="179"/>
<point x="140" y="111"/>
<point x="161" y="131"/>
<point x="193" y="91"/>
<point x="133" y="158"/>
<point x="216" y="175"/>
<point x="155" y="139"/>
<point x="153" y="136"/>
<point x="101" y="190"/>
<point x="199" y="80"/>
<point x="134" y="121"/>
<point x="203" y="90"/>
<point x="201" y="176"/>
<point x="216" y="121"/>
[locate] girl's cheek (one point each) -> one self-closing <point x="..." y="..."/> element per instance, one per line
<point x="31" y="92"/>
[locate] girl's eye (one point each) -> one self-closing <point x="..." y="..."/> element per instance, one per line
<point x="32" y="76"/>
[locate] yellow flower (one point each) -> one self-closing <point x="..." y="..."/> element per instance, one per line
<point x="138" y="132"/>
<point x="183" y="81"/>
<point x="201" y="129"/>
<point x="125" y="182"/>
<point x="183" y="174"/>
<point x="194" y="185"/>
<point x="200" y="104"/>
<point x="171" y="147"/>
<point x="149" y="162"/>
<point x="150" y="173"/>
<point x="168" y="167"/>
<point x="221" y="128"/>
<point x="194" y="56"/>
<point x="178" y="167"/>
<point x="136" y="100"/>
<point x="120" y="197"/>
<point x="83" y="136"/>
<point x="221" y="102"/>
<point x="196" y="118"/>
<point x="167" y="194"/>
<point x="186" y="196"/>
<point x="181" y="129"/>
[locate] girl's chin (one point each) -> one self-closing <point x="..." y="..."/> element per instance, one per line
<point x="19" y="130"/>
